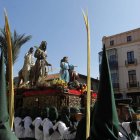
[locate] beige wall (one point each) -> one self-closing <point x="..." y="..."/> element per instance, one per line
<point x="122" y="46"/>
<point x="121" y="39"/>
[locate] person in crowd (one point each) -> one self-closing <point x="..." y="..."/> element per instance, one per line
<point x="48" y="123"/>
<point x="36" y="123"/>
<point x="18" y="128"/>
<point x="29" y="132"/>
<point x="44" y="113"/>
<point x="75" y="117"/>
<point x="65" y="116"/>
<point x="82" y="124"/>
<point x="81" y="128"/>
<point x="62" y="125"/>
<point x="123" y="116"/>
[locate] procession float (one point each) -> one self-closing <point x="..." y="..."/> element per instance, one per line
<point x="37" y="88"/>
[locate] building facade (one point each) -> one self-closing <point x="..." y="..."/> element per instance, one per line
<point x="123" y="52"/>
<point x="94" y="82"/>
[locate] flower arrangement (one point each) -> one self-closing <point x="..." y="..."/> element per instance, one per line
<point x="82" y="88"/>
<point x="59" y="83"/>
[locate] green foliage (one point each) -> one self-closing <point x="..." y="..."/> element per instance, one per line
<point x="17" y="42"/>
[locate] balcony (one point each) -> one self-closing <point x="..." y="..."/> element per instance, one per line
<point x="132" y="62"/>
<point x="134" y="84"/>
<point x="113" y="65"/>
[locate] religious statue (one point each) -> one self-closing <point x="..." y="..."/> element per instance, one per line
<point x="41" y="62"/>
<point x="74" y="76"/>
<point x="67" y="72"/>
<point x="24" y="73"/>
<point x="64" y="71"/>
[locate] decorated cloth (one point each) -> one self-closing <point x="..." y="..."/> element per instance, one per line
<point x="5" y="131"/>
<point x="38" y="133"/>
<point x="105" y="119"/>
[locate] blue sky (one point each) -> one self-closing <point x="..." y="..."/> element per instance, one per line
<point x="61" y="24"/>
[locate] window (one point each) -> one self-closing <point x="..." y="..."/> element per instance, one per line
<point x="130" y="57"/>
<point x="129" y="38"/>
<point x="111" y="42"/>
<point x="113" y="62"/>
<point x="112" y="58"/>
<point x="132" y="78"/>
<point x="114" y="77"/>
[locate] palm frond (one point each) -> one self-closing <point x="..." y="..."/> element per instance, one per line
<point x="18" y="40"/>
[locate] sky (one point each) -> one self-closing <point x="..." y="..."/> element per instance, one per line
<point x="61" y="24"/>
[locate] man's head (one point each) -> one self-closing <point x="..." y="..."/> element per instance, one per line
<point x="53" y="113"/>
<point x="65" y="59"/>
<point x="31" y="50"/>
<point x="124" y="112"/>
<point x="65" y="111"/>
<point x="76" y="115"/>
<point x="43" y="45"/>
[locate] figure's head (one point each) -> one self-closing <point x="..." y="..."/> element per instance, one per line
<point x="124" y="112"/>
<point x="53" y="113"/>
<point x="65" y="111"/>
<point x="65" y="59"/>
<point x="43" y="45"/>
<point x="31" y="50"/>
<point x="45" y="112"/>
<point x="76" y="115"/>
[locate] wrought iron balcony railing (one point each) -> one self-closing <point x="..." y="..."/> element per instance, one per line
<point x="131" y="62"/>
<point x="134" y="84"/>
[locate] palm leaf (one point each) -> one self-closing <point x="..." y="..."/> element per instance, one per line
<point x="18" y="40"/>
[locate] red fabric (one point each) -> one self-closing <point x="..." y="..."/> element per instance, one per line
<point x="74" y="92"/>
<point x="94" y="95"/>
<point x="53" y="92"/>
<point x="41" y="92"/>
